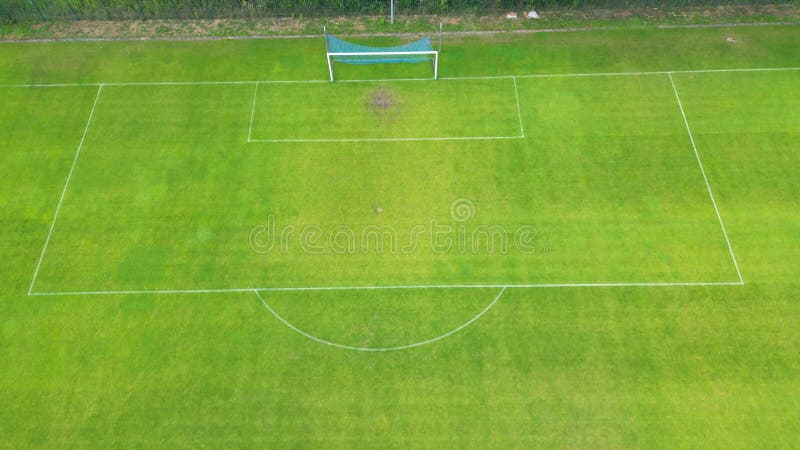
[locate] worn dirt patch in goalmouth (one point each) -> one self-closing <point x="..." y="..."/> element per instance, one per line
<point x="384" y="104"/>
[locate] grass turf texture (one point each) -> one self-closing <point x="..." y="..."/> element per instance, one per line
<point x="167" y="187"/>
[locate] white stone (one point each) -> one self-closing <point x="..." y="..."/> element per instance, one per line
<point x="533" y="14"/>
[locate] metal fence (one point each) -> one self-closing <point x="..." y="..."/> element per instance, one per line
<point x="46" y="10"/>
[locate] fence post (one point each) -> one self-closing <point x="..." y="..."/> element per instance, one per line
<point x="391" y="13"/>
<point x="440" y="37"/>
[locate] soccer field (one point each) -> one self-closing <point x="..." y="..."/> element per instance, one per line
<point x="580" y="240"/>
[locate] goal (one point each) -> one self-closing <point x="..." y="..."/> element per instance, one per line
<point x="341" y="51"/>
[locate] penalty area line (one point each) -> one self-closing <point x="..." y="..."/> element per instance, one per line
<point x="367" y="288"/>
<point x="64" y="191"/>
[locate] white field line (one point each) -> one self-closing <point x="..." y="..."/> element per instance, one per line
<point x="252" y="114"/>
<point x="378" y="80"/>
<point x="551" y="75"/>
<point x="149" y="83"/>
<point x="382" y="349"/>
<point x="460" y="138"/>
<point x="367" y="288"/>
<point x="519" y="112"/>
<point x="705" y="178"/>
<point x="614" y="74"/>
<point x="64" y="191"/>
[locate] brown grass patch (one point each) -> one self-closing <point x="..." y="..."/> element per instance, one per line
<point x="384" y="104"/>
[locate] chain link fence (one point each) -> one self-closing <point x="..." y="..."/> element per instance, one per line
<point x="47" y="10"/>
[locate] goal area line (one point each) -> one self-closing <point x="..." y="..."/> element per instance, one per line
<point x="517" y="108"/>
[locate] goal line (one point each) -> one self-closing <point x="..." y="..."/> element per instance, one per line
<point x="477" y="77"/>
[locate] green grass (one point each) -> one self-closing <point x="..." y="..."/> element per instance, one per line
<point x="167" y="190"/>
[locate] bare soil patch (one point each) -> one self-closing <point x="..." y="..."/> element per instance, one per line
<point x="384" y="104"/>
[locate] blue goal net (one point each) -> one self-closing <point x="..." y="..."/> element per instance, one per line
<point x="341" y="51"/>
<point x="350" y="53"/>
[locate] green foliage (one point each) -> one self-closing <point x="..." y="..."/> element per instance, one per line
<point x="34" y="10"/>
<point x="5" y="15"/>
